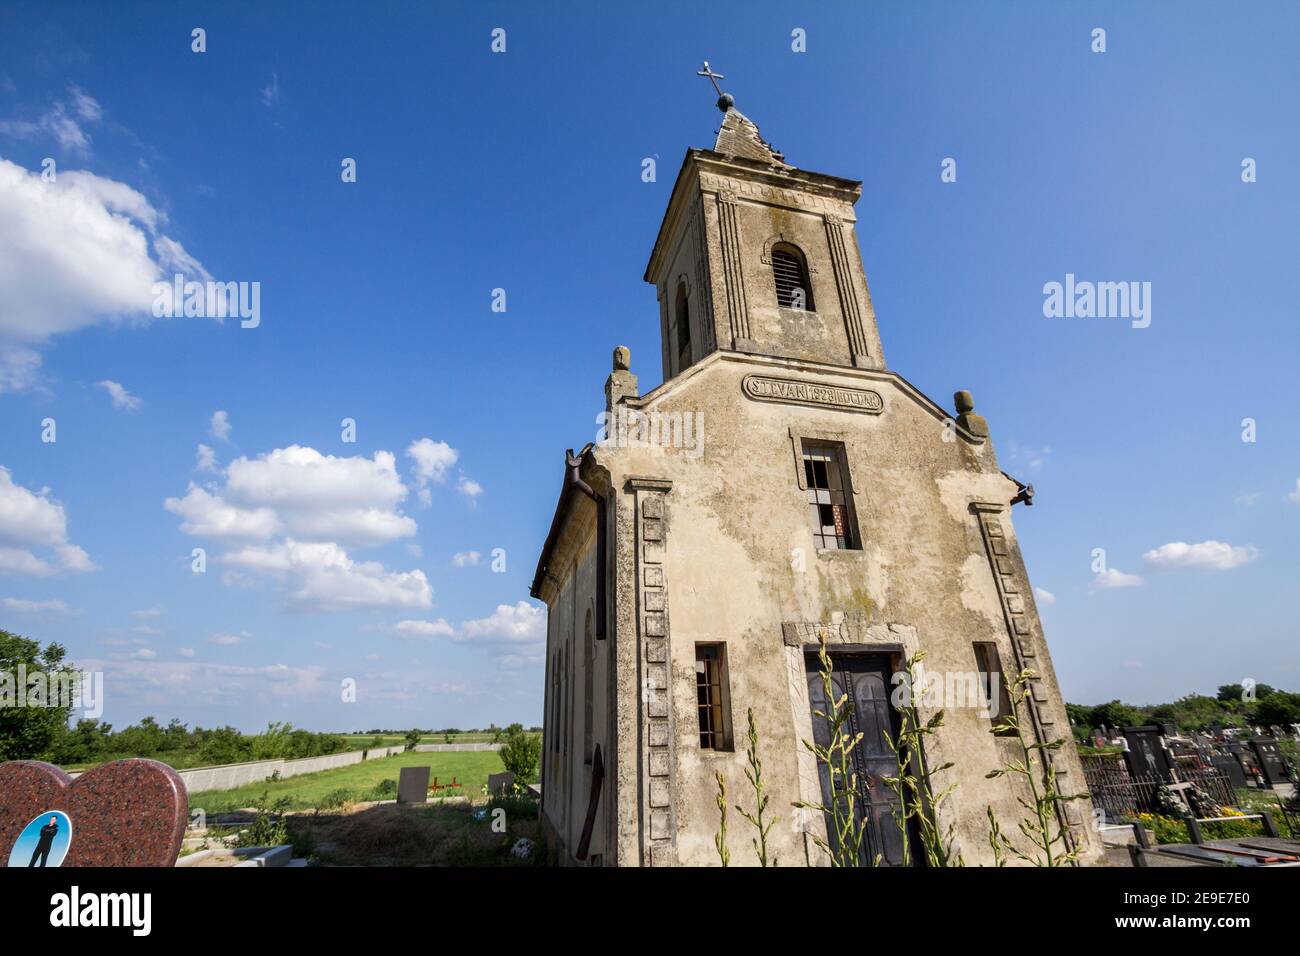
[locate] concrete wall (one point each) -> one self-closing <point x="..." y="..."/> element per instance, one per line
<point x="232" y="775"/>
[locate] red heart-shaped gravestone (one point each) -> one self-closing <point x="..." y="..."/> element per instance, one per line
<point x="125" y="813"/>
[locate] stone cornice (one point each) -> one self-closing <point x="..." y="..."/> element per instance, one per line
<point x="655" y="395"/>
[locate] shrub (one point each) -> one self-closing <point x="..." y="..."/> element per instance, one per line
<point x="521" y="753"/>
<point x="268" y="826"/>
<point x="335" y="799"/>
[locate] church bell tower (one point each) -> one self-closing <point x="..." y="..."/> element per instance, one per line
<point x="756" y="256"/>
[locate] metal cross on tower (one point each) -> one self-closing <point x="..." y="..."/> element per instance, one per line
<point x="725" y="100"/>
<point x="713" y="77"/>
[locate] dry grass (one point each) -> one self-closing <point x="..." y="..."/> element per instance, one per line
<point x="388" y="835"/>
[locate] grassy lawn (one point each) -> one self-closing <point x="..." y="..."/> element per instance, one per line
<point x="305" y="791"/>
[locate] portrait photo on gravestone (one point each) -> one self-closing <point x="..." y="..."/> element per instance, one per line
<point x="743" y="436"/>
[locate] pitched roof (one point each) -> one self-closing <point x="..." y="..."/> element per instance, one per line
<point x="738" y="136"/>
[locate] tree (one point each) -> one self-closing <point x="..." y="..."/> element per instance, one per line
<point x="521" y="753"/>
<point x="1279" y="708"/>
<point x="29" y="730"/>
<point x="413" y="737"/>
<point x="1116" y="714"/>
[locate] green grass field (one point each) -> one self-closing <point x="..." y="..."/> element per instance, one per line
<point x="304" y="792"/>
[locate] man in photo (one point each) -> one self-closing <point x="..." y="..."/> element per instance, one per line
<point x="48" y="832"/>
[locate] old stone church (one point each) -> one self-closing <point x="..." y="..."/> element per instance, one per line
<point x="781" y="485"/>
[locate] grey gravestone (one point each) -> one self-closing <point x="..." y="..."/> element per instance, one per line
<point x="1271" y="763"/>
<point x="1145" y="757"/>
<point x="413" y="785"/>
<point x="500" y="782"/>
<point x="1230" y="767"/>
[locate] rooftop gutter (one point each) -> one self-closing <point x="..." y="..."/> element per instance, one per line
<point x="573" y="482"/>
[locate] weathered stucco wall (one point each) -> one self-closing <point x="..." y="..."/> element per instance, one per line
<point x="567" y="761"/>
<point x="739" y="561"/>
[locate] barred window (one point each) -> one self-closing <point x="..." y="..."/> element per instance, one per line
<point x="791" y="275"/>
<point x="712" y="696"/>
<point x="830" y="506"/>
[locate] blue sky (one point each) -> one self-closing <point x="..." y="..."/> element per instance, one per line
<point x="522" y="171"/>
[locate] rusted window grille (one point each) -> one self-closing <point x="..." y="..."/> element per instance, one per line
<point x="829" y="510"/>
<point x="710" y="694"/>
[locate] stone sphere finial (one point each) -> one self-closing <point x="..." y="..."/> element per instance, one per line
<point x="622" y="359"/>
<point x="964" y="401"/>
<point x="726" y="101"/>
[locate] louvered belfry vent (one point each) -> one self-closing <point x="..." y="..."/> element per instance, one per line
<point x="792" y="290"/>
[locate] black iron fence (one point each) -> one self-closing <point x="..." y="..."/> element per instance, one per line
<point x="1122" y="796"/>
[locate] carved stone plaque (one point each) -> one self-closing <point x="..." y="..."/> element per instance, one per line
<point x="765" y="389"/>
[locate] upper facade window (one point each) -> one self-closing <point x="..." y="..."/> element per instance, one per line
<point x="830" y="504"/>
<point x="683" y="318"/>
<point x="790" y="272"/>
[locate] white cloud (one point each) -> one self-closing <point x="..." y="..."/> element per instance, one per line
<point x="186" y="652"/>
<point x="470" y="488"/>
<point x="271" y="92"/>
<point x="145" y="654"/>
<point x="170" y="686"/>
<point x="1249" y="498"/>
<point x="514" y="634"/>
<point x="297" y="512"/>
<point x="1294" y="495"/>
<point x="463" y="559"/>
<point x="431" y="462"/>
<point x="1207" y="555"/>
<point x="85" y="106"/>
<point x="30" y="523"/>
<point x="322" y="576"/>
<point x="301" y="493"/>
<point x="122" y="399"/>
<point x="1114" y="578"/>
<point x="61" y="122"/>
<point x="220" y="426"/>
<point x="150" y="613"/>
<point x="208" y="516"/>
<point x="1027" y="456"/>
<point x="73" y="252"/>
<point x="522" y="623"/>
<point x="229" y="640"/>
<point x="23" y="606"/>
<point x="423" y="630"/>
<point x="205" y="459"/>
<point x="1045" y="597"/>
